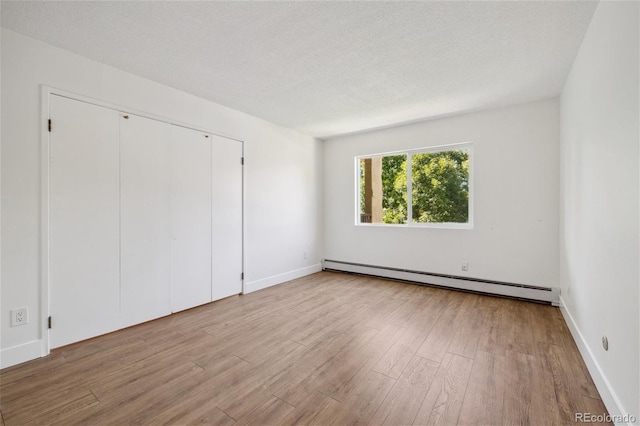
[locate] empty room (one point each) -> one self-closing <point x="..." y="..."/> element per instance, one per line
<point x="319" y="212"/>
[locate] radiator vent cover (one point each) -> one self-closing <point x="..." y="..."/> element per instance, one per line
<point x="518" y="291"/>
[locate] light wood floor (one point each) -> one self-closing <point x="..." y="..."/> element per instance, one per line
<point x="325" y="349"/>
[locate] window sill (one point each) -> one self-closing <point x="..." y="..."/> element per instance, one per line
<point x="418" y="225"/>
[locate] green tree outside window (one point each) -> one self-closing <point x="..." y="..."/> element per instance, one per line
<point x="439" y="187"/>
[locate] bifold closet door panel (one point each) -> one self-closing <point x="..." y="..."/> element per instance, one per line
<point x="145" y="230"/>
<point x="83" y="220"/>
<point x="190" y="218"/>
<point x="226" y="217"/>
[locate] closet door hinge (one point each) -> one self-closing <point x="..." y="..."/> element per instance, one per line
<point x="242" y="160"/>
<point x="49" y="322"/>
<point x="242" y="275"/>
<point x="49" y="125"/>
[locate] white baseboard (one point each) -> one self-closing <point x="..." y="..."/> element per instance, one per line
<point x="252" y="286"/>
<point x="20" y="353"/>
<point x="608" y="395"/>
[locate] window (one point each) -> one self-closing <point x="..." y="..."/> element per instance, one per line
<point x="434" y="182"/>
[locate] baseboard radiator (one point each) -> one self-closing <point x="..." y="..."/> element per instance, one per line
<point x="496" y="288"/>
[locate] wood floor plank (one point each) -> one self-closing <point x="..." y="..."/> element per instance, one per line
<point x="75" y="374"/>
<point x="529" y="392"/>
<point x="437" y="342"/>
<point x="219" y="364"/>
<point x="261" y="383"/>
<point x="202" y="415"/>
<point x="380" y="312"/>
<point x="521" y="334"/>
<point x="422" y="321"/>
<point x="519" y="379"/>
<point x="137" y="380"/>
<point x="404" y="400"/>
<point x="328" y="348"/>
<point x="396" y="359"/>
<point x="98" y="414"/>
<point x="309" y="379"/>
<point x="333" y="343"/>
<point x="486" y="391"/>
<point x="28" y="370"/>
<point x="470" y="326"/>
<point x="240" y="401"/>
<point x="25" y="410"/>
<point x="327" y="412"/>
<point x="309" y="408"/>
<point x="215" y="386"/>
<point x="413" y="300"/>
<point x="317" y="330"/>
<point x="566" y="388"/>
<point x="508" y="328"/>
<point x="443" y="401"/>
<point x="361" y="404"/>
<point x="195" y="405"/>
<point x="544" y="325"/>
<point x="578" y="368"/>
<point x="544" y="403"/>
<point x="59" y="413"/>
<point x="346" y="373"/>
<point x="595" y="407"/>
<point x="272" y="412"/>
<point x="144" y="407"/>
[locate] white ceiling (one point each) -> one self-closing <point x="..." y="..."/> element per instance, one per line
<point x="326" y="68"/>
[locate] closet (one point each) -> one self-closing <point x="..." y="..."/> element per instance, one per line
<point x="145" y="219"/>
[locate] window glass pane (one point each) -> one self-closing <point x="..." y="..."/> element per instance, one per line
<point x="383" y="189"/>
<point x="440" y="186"/>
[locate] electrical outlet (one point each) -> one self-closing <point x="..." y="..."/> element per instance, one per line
<point x="19" y="316"/>
<point x="465" y="266"/>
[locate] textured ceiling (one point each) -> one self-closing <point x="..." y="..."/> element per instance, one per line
<point x="326" y="68"/>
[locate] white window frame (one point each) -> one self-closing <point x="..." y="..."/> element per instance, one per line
<point x="409" y="152"/>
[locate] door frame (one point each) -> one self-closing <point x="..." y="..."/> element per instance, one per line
<point x="45" y="288"/>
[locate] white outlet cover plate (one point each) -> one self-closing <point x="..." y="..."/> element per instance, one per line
<point x="19" y="317"/>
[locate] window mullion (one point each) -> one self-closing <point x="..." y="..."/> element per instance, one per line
<point x="409" y="191"/>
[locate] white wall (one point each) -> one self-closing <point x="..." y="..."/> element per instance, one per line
<point x="515" y="168"/>
<point x="282" y="175"/>
<point x="599" y="248"/>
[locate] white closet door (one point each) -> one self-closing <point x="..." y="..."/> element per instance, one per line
<point x="145" y="185"/>
<point x="190" y="218"/>
<point x="84" y="221"/>
<point x="226" y="217"/>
